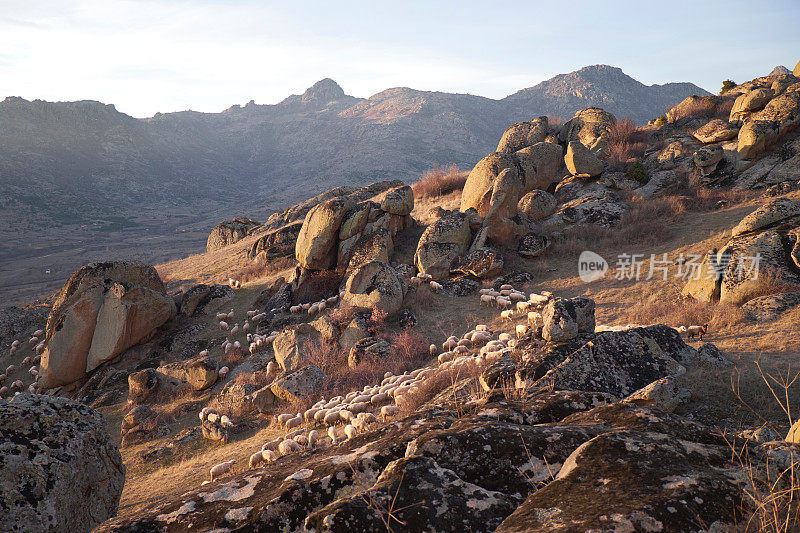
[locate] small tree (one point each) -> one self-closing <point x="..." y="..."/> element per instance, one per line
<point x="727" y="85"/>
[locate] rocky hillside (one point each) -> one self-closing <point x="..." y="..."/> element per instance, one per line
<point x="434" y="358"/>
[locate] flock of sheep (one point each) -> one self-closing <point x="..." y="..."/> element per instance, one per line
<point x="17" y="386"/>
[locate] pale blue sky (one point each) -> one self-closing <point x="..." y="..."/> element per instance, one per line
<point x="167" y="55"/>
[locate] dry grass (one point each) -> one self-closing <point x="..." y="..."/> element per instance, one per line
<point x="439" y="182"/>
<point x="627" y="142"/>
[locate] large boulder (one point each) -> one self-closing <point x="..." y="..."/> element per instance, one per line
<point x="355" y="219"/>
<point x="566" y="318"/>
<point x="375" y="285"/>
<point x="478" y="188"/>
<point x="772" y="212"/>
<point x="716" y="130"/>
<point x="537" y="205"/>
<point x="128" y="314"/>
<point x="755" y="137"/>
<point x="317" y="240"/>
<point x="659" y="183"/>
<point x="59" y="468"/>
<point x="591" y="127"/>
<point x="102" y="310"/>
<point x="482" y="263"/>
<point x="503" y="207"/>
<point x="399" y="201"/>
<point x="707" y="158"/>
<point x="581" y="161"/>
<point x="783" y="110"/>
<point x="276" y="243"/>
<point x="441" y="243"/>
<point x="229" y="232"/>
<point x="199" y="372"/>
<point x="288" y="345"/>
<point x="523" y="134"/>
<point x="299" y="384"/>
<point x="541" y="164"/>
<point x="749" y="102"/>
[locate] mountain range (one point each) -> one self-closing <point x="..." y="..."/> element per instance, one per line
<point x="64" y="162"/>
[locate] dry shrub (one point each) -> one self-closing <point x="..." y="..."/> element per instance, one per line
<point x="554" y="121"/>
<point x="249" y="272"/>
<point x="770" y="281"/>
<point x="420" y="301"/>
<point x="459" y="384"/>
<point x="318" y="285"/>
<point x="702" y="198"/>
<point x="343" y="315"/>
<point x="279" y="265"/>
<point x="408" y="345"/>
<point x="439" y="182"/>
<point x="377" y="321"/>
<point x="627" y="142"/>
<point x="663" y="309"/>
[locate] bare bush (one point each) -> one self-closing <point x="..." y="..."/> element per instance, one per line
<point x="439" y="182"/>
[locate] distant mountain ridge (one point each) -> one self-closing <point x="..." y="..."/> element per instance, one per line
<point x="69" y="161"/>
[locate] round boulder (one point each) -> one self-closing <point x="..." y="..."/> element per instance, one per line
<point x="481" y="263"/>
<point x="523" y="134"/>
<point x="399" y="201"/>
<point x="441" y="243"/>
<point x="716" y="130"/>
<point x="537" y="204"/>
<point x="375" y="285"/>
<point x="581" y="161"/>
<point x="60" y="469"/>
<point x="479" y="185"/>
<point x="316" y="246"/>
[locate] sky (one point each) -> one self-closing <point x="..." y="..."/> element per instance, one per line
<point x="169" y="55"/>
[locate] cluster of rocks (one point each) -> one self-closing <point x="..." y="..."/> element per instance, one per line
<point x="592" y="414"/>
<point x="762" y="256"/>
<point x="230" y="231"/>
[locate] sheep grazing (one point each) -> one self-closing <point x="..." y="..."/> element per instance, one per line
<point x="508" y="314"/>
<point x="289" y="446"/>
<point x="203" y="353"/>
<point x="235" y="330"/>
<point x="33" y="340"/>
<point x="258" y="318"/>
<point x="349" y="431"/>
<point x="333" y="434"/>
<point x="33" y="371"/>
<point x="10" y="370"/>
<point x="506" y="287"/>
<point x="504" y="337"/>
<point x="246" y="327"/>
<point x="3" y="377"/>
<point x="3" y="390"/>
<point x="272" y="367"/>
<point x="302" y="440"/>
<point x="256" y="459"/>
<point x="294" y="422"/>
<point x="695" y="331"/>
<point x="37" y="359"/>
<point x="225" y="422"/>
<point x="213" y="417"/>
<point x="295" y="309"/>
<point x="389" y="410"/>
<point x="331" y="418"/>
<point x="26" y="361"/>
<point x="272" y="445"/>
<point x="223" y="371"/>
<point x="283" y="418"/>
<point x="39" y="348"/>
<point x="223" y="325"/>
<point x="332" y="300"/>
<point x="15" y="344"/>
<point x="681" y="329"/>
<point x="313" y="438"/>
<point x="435" y="286"/>
<point x="268" y="456"/>
<point x="368" y="418"/>
<point x="234" y="283"/>
<point x="220" y="469"/>
<point x="521" y="329"/>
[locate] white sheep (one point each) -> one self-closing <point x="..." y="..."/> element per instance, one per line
<point x="508" y="314"/>
<point x="225" y="422"/>
<point x="40" y="348"/>
<point x="435" y="286"/>
<point x="294" y="422"/>
<point x="10" y="370"/>
<point x="288" y="446"/>
<point x="268" y="456"/>
<point x="223" y="371"/>
<point x="349" y="431"/>
<point x="272" y="445"/>
<point x="331" y="418"/>
<point x="222" y="468"/>
<point x="302" y="440"/>
<point x="333" y="434"/>
<point x="33" y="340"/>
<point x="486" y="299"/>
<point x="223" y="325"/>
<point x="389" y="410"/>
<point x="368" y="418"/>
<point x="15" y="344"/>
<point x="213" y="417"/>
<point x="26" y="361"/>
<point x="521" y="329"/>
<point x="256" y="459"/>
<point x="694" y="331"/>
<point x="313" y="438"/>
<point x="3" y="390"/>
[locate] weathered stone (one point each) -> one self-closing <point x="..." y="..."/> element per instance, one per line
<point x="755" y="137"/>
<point x="564" y="318"/>
<point x="604" y="209"/>
<point x="229" y="232"/>
<point x="59" y="468"/>
<point x="279" y="242"/>
<point x="581" y="161"/>
<point x="263" y="400"/>
<point x="316" y="243"/>
<point x="478" y="188"/>
<point x="716" y="130"/>
<point x="707" y="159"/>
<point x="149" y="385"/>
<point x="663" y="393"/>
<point x="542" y="165"/>
<point x="441" y="243"/>
<point x="371" y="246"/>
<point x="299" y="384"/>
<point x="783" y="110"/>
<point x="499" y="374"/>
<point x="355" y="219"/>
<point x="749" y="102"/>
<point x="354" y="332"/>
<point x="368" y="348"/>
<point x="399" y="201"/>
<point x="199" y="372"/>
<point x="533" y="245"/>
<point x="591" y="127"/>
<point x="523" y="134"/>
<point x="769" y="214"/>
<point x="481" y="263"/>
<point x="537" y="205"/>
<point x="659" y="183"/>
<point x="288" y="345"/>
<point x="770" y="307"/>
<point x="375" y="285"/>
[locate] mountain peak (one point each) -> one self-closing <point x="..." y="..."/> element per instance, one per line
<point x="322" y="92"/>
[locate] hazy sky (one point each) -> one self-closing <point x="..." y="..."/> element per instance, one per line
<point x="166" y="55"/>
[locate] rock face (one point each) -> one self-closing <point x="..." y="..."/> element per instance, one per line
<point x="716" y="130"/>
<point x="591" y="127"/>
<point x="481" y="263"/>
<point x="229" y="232"/>
<point x="523" y="134"/>
<point x="565" y="319"/>
<point x="581" y="161"/>
<point x="102" y="310"/>
<point x="755" y="137"/>
<point x="441" y="243"/>
<point x="659" y="183"/>
<point x="537" y="205"/>
<point x="288" y="345"/>
<point x="316" y="243"/>
<point x="733" y="274"/>
<point x="199" y="372"/>
<point x="375" y="285"/>
<point x="299" y="384"/>
<point x="399" y="201"/>
<point x="749" y="102"/>
<point x="59" y="468"/>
